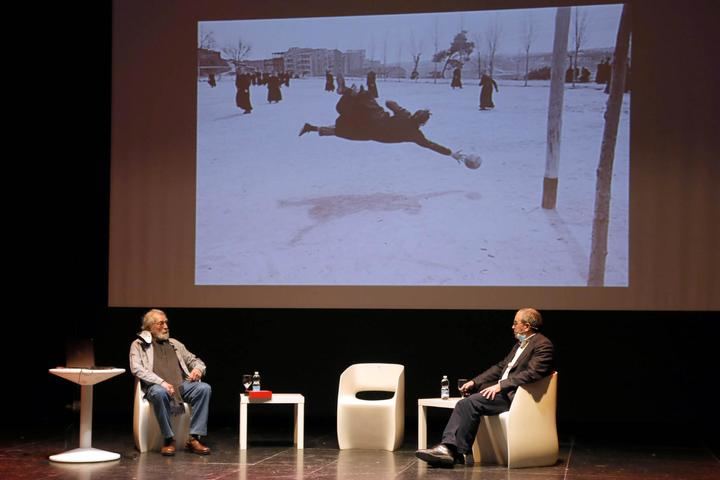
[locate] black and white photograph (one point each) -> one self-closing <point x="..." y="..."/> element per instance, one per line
<point x="413" y="149"/>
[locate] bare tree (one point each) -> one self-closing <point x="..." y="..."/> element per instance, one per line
<point x="436" y="41"/>
<point x="371" y="51"/>
<point x="555" y="106"/>
<point x="237" y="51"/>
<point x="492" y="40"/>
<point x="603" y="184"/>
<point x="415" y="52"/>
<point x="579" y="27"/>
<point x="385" y="47"/>
<point x="479" y="55"/>
<point x="528" y="35"/>
<point x="400" y="53"/>
<point x="206" y="39"/>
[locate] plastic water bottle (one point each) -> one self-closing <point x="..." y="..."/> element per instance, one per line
<point x="256" y="382"/>
<point x="444" y="388"/>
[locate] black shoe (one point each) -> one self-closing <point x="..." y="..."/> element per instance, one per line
<point x="438" y="456"/>
<point x="306" y="128"/>
<point x="466" y="460"/>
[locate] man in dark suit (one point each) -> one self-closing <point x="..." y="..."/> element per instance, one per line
<point x="530" y="360"/>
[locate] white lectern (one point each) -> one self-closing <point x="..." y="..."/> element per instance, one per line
<point x="86" y="378"/>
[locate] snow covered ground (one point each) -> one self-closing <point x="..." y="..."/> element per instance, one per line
<point x="277" y="209"/>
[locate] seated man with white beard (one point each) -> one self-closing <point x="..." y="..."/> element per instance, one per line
<point x="170" y="374"/>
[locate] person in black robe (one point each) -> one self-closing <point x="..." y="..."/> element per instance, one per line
<point x="584" y="75"/>
<point x="486" y="91"/>
<point x="456" y="79"/>
<point x="329" y="82"/>
<point x="273" y="86"/>
<point x="242" y="97"/>
<point x="600" y="73"/>
<point x="608" y="76"/>
<point x="362" y="118"/>
<point x="603" y="71"/>
<point x="211" y="79"/>
<point x="372" y="84"/>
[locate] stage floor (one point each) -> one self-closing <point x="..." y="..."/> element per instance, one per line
<point x="271" y="456"/>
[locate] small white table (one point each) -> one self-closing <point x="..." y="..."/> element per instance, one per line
<point x="86" y="378"/>
<point x="423" y="403"/>
<point x="277" y="398"/>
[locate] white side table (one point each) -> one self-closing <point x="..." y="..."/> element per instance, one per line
<point x="423" y="404"/>
<point x="86" y="378"/>
<point x="277" y="398"/>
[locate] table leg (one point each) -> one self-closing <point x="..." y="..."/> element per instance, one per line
<point x="86" y="411"/>
<point x="243" y="426"/>
<point x="300" y="425"/>
<point x="422" y="427"/>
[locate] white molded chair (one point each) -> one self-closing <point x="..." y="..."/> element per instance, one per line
<point x="526" y="435"/>
<point x="371" y="424"/>
<point x="146" y="430"/>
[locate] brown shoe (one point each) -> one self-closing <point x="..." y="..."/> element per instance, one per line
<point x="169" y="449"/>
<point x="194" y="445"/>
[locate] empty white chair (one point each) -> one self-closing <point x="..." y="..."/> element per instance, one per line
<point x="526" y="435"/>
<point x="146" y="430"/>
<point x="371" y="424"/>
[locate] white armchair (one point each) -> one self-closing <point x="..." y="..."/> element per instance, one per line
<point x="526" y="435"/>
<point x="371" y="424"/>
<point x="146" y="430"/>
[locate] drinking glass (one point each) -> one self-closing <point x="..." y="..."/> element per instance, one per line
<point x="247" y="381"/>
<point x="461" y="382"/>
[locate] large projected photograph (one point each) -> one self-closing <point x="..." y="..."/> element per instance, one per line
<point x="476" y="148"/>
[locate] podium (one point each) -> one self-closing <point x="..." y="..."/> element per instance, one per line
<point x="86" y="378"/>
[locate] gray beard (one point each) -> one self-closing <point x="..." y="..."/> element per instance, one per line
<point x="162" y="336"/>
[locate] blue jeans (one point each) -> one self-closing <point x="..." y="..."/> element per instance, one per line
<point x="197" y="394"/>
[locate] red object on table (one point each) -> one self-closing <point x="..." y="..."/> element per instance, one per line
<point x="260" y="394"/>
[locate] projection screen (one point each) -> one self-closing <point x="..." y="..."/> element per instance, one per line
<point x="255" y="163"/>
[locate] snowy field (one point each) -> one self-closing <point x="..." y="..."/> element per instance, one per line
<point x="277" y="209"/>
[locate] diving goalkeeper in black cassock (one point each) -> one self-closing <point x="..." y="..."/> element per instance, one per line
<point x="362" y="118"/>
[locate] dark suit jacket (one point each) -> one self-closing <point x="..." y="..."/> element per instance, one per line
<point x="535" y="362"/>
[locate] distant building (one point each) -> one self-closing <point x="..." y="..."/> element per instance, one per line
<point x="315" y="62"/>
<point x="209" y="61"/>
<point x="355" y="63"/>
<point x="253" y="65"/>
<point x="299" y="60"/>
<point x="395" y="72"/>
<point x="275" y="64"/>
